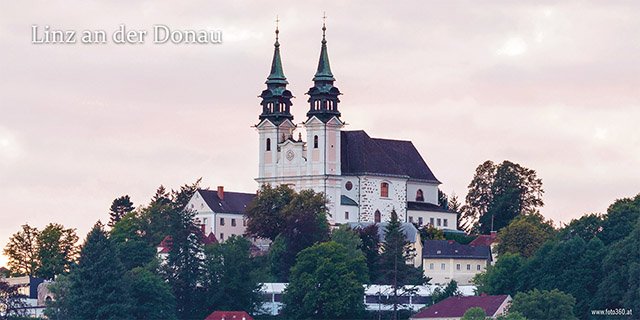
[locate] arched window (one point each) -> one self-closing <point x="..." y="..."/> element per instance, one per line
<point x="377" y="217"/>
<point x="268" y="144"/>
<point x="315" y="142"/>
<point x="384" y="190"/>
<point x="419" y="196"/>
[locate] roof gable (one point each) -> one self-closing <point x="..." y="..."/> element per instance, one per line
<point x="484" y="239"/>
<point x="361" y="154"/>
<point x="455" y="307"/>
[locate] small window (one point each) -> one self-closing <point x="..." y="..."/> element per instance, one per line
<point x="443" y="266"/>
<point x="468" y="267"/>
<point x="431" y="222"/>
<point x="419" y="196"/>
<point x="458" y="266"/>
<point x="478" y="267"/>
<point x="202" y="206"/>
<point x="315" y="142"/>
<point x="419" y="221"/>
<point x="222" y="221"/>
<point x="348" y="186"/>
<point x="445" y="222"/>
<point x="268" y="144"/>
<point x="411" y="219"/>
<point x="431" y="266"/>
<point x="377" y="216"/>
<point x="233" y="222"/>
<point x="384" y="190"/>
<point x="346" y="215"/>
<point x="439" y="222"/>
<point x="222" y="236"/>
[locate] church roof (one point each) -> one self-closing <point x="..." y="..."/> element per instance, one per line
<point x="361" y="154"/>
<point x="232" y="202"/>
<point x="425" y="206"/>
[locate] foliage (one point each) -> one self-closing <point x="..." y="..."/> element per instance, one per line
<point x="349" y="239"/>
<point x="524" y="235"/>
<point x="151" y="296"/>
<point x="180" y="198"/>
<point x="277" y="264"/>
<point x="57" y="250"/>
<point x="229" y="281"/>
<point x="4" y="272"/>
<point x="95" y="288"/>
<point x="326" y="283"/>
<point x="264" y="215"/>
<point x="544" y="304"/>
<point x="429" y="232"/>
<point x="501" y="278"/>
<point x="22" y="251"/>
<point x="587" y="227"/>
<point x="450" y="290"/>
<point x="119" y="208"/>
<point x="512" y="315"/>
<point x="12" y="303"/>
<point x="498" y="193"/>
<point x="475" y="313"/>
<point x="620" y="219"/>
<point x="459" y="238"/>
<point x="184" y="264"/>
<point x="370" y="246"/>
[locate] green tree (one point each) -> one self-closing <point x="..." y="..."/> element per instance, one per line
<point x="512" y="315"/>
<point x="523" y="236"/>
<point x="230" y="281"/>
<point x="326" y="283"/>
<point x="151" y="296"/>
<point x="278" y="267"/>
<point x="180" y="198"/>
<point x="498" y="193"/>
<point x="370" y="246"/>
<point x="349" y="239"/>
<point x="265" y="214"/>
<point x="450" y="290"/>
<point x="501" y="278"/>
<point x="544" y="304"/>
<point x="475" y="313"/>
<point x="95" y="288"/>
<point x="587" y="227"/>
<point x="183" y="268"/>
<point x="22" y="251"/>
<point x="57" y="250"/>
<point x="119" y="207"/>
<point x="429" y="232"/>
<point x="133" y="251"/>
<point x="620" y="219"/>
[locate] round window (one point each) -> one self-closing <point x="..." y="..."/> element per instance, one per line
<point x="349" y="185"/>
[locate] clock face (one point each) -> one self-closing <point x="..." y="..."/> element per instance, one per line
<point x="290" y="155"/>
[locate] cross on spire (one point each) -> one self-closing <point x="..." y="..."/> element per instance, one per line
<point x="277" y="31"/>
<point x="324" y="28"/>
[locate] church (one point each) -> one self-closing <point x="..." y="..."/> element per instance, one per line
<point x="363" y="178"/>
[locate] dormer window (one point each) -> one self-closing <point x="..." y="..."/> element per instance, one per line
<point x="384" y="190"/>
<point x="419" y="196"/>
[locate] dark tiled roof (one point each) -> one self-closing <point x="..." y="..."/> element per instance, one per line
<point x="234" y="202"/>
<point x="455" y="307"/>
<point x="483" y="239"/>
<point x="229" y="315"/>
<point x="425" y="206"/>
<point x="346" y="201"/>
<point x="452" y="249"/>
<point x="362" y="154"/>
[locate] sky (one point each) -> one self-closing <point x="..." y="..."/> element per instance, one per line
<point x="551" y="85"/>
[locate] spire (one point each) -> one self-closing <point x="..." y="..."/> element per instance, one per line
<point x="323" y="96"/>
<point x="276" y="99"/>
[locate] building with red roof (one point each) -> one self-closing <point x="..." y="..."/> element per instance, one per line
<point x="487" y="240"/>
<point x="229" y="315"/>
<point x="455" y="307"/>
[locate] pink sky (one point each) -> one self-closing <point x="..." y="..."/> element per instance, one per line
<point x="554" y="86"/>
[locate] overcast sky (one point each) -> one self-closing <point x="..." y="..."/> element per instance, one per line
<point x="554" y="86"/>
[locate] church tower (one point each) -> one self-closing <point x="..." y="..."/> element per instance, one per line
<point x="276" y="119"/>
<point x="323" y="127"/>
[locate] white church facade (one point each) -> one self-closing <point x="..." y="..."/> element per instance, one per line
<point x="363" y="178"/>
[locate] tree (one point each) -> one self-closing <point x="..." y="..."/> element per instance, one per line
<point x="394" y="270"/>
<point x="501" y="278"/>
<point x="587" y="227"/>
<point x="475" y="313"/>
<point x="119" y="207"/>
<point x="512" y="315"/>
<point x="230" y="283"/>
<point x="544" y="304"/>
<point x="450" y="290"/>
<point x="133" y="251"/>
<point x="150" y="295"/>
<point x="349" y="239"/>
<point x="180" y="198"/>
<point x="326" y="283"/>
<point x="183" y="268"/>
<point x="620" y="219"/>
<point x="12" y="303"/>
<point x="264" y="215"/>
<point x="498" y="193"/>
<point x="57" y="250"/>
<point x="522" y="236"/>
<point x="22" y="251"/>
<point x="429" y="232"/>
<point x="370" y="246"/>
<point x="95" y="288"/>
